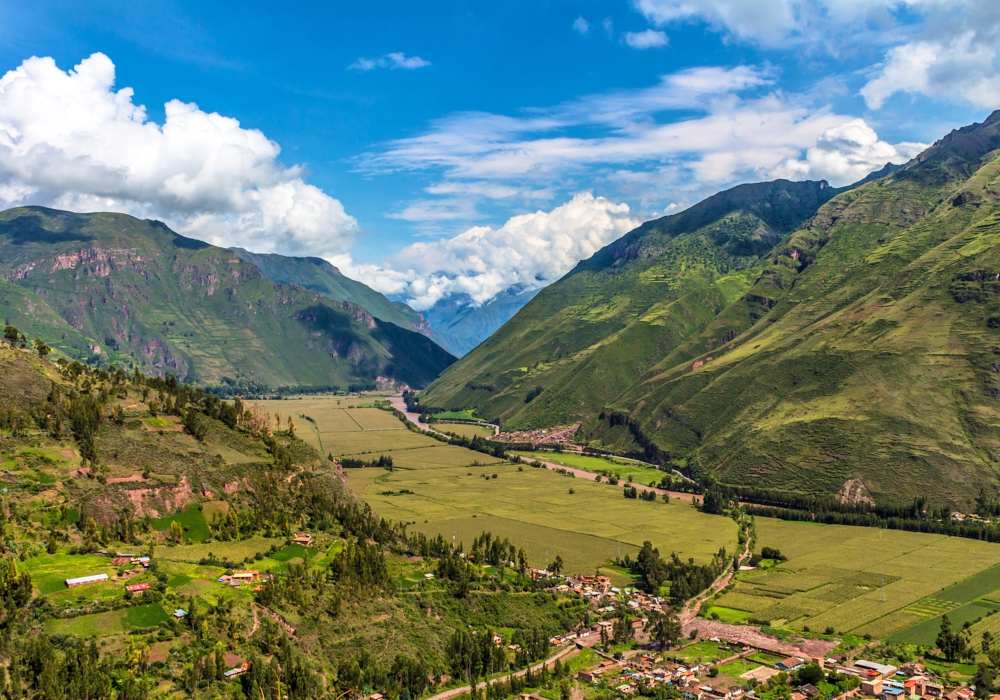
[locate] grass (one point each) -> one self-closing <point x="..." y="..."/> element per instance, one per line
<point x="468" y="414"/>
<point x="701" y="652"/>
<point x="96" y="625"/>
<point x="730" y="615"/>
<point x="234" y="551"/>
<point x="926" y="632"/>
<point x="599" y="465"/>
<point x="214" y="511"/>
<point x="833" y="577"/>
<point x="735" y="669"/>
<point x="292" y="551"/>
<point x="465" y="430"/>
<point x="50" y="571"/>
<point x="149" y="615"/>
<point x="534" y="508"/>
<point x="191" y="519"/>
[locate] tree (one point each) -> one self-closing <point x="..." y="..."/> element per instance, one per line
<point x="557" y="565"/>
<point x="176" y="531"/>
<point x="951" y="644"/>
<point x="10" y="334"/>
<point x="666" y="629"/>
<point x="811" y="675"/>
<point x="984" y="681"/>
<point x="41" y="348"/>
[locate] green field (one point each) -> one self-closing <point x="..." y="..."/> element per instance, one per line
<point x="191" y="519"/>
<point x="834" y="574"/>
<point x="292" y="551"/>
<point x="534" y="508"/>
<point x="702" y="652"/>
<point x="343" y="425"/>
<point x="98" y="624"/>
<point x="599" y="465"/>
<point x="234" y="551"/>
<point x="148" y="615"/>
<point x="465" y="429"/>
<point x="50" y="571"/>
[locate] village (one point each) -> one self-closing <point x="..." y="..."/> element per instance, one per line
<point x="771" y="671"/>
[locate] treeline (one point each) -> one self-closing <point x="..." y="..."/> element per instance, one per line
<point x="686" y="578"/>
<point x="384" y="461"/>
<point x="477" y="654"/>
<point x="476" y="443"/>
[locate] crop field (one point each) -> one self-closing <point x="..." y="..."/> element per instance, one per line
<point x="50" y="571"/>
<point x="465" y="429"/>
<point x="191" y="519"/>
<point x="234" y="551"/>
<point x="148" y="615"/>
<point x="343" y="425"/>
<point x="88" y="625"/>
<point x="834" y="577"/>
<point x="536" y="509"/>
<point x="436" y="455"/>
<point x="625" y="470"/>
<point x="925" y="632"/>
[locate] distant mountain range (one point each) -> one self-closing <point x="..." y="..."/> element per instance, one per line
<point x="782" y="335"/>
<point x="461" y="325"/>
<point x="110" y="288"/>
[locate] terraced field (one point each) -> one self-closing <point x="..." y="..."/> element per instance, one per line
<point x="834" y="579"/>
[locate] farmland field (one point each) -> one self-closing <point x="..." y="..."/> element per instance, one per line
<point x="625" y="470"/>
<point x="534" y="508"/>
<point x="191" y="519"/>
<point x="834" y="574"/>
<point x="465" y="429"/>
<point x="343" y="425"/>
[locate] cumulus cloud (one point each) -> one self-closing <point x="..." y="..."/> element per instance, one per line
<point x="528" y="251"/>
<point x="68" y="139"/>
<point x="649" y="39"/>
<point x="390" y="60"/>
<point x="944" y="49"/>
<point x="847" y="153"/>
<point x="581" y="26"/>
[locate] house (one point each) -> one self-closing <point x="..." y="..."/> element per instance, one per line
<point x="809" y="690"/>
<point x="137" y="588"/>
<point x="84" y="580"/>
<point x="178" y="613"/>
<point x="237" y="671"/>
<point x="121" y="561"/>
<point x="244" y="575"/>
<point x="870" y="667"/>
<point x="586" y="676"/>
<point x="871" y="687"/>
<point x="303" y="538"/>
<point x="790" y="664"/>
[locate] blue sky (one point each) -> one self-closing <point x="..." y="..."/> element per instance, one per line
<point x="465" y="147"/>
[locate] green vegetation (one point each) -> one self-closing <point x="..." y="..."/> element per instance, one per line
<point x="190" y="519"/>
<point x="149" y="615"/>
<point x="850" y="349"/>
<point x="193" y="308"/>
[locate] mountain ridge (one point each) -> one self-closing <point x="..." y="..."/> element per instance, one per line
<point x="111" y="288"/>
<point x="858" y="349"/>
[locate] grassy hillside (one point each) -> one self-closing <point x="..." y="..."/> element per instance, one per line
<point x="587" y="338"/>
<point x="109" y="288"/>
<point x="859" y="352"/>
<point x="317" y="275"/>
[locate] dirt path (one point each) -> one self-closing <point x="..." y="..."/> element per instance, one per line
<point x="690" y="611"/>
<point x="561" y="654"/>
<point x="256" y="621"/>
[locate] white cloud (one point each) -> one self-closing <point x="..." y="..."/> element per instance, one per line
<point x="963" y="68"/>
<point x="69" y="139"/>
<point x="529" y="250"/>
<point x="390" y="60"/>
<point x="846" y="153"/>
<point x="944" y="49"/>
<point x="609" y="26"/>
<point x="649" y="39"/>
<point x="581" y="26"/>
<point x="721" y="139"/>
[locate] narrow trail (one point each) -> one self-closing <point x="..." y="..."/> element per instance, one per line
<point x="693" y="606"/>
<point x="256" y="621"/>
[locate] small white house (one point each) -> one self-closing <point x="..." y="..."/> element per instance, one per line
<point x="84" y="580"/>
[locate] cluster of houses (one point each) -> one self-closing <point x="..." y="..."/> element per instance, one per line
<point x="119" y="559"/>
<point x="883" y="681"/>
<point x="243" y="576"/>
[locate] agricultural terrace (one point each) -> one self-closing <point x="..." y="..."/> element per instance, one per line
<point x="623" y="469"/>
<point x="833" y="580"/>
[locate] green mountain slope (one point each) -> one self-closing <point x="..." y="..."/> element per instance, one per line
<point x="317" y="275"/>
<point x="112" y="288"/>
<point x="585" y="339"/>
<point x="861" y="354"/>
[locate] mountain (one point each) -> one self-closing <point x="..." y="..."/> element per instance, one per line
<point x="109" y="288"/>
<point x="853" y="351"/>
<point x="462" y="325"/>
<point x="586" y="338"/>
<point x="317" y="275"/>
